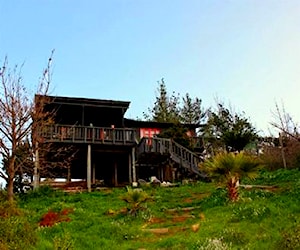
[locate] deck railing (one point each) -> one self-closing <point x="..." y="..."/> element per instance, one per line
<point x="88" y="134"/>
<point x="183" y="156"/>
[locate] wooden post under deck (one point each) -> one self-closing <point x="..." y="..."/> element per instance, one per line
<point x="116" y="173"/>
<point x="94" y="174"/>
<point x="36" y="177"/>
<point x="133" y="164"/>
<point x="88" y="173"/>
<point x="129" y="168"/>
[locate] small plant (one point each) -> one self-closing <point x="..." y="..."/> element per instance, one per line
<point x="135" y="199"/>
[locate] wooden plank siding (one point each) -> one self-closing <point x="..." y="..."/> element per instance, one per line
<point x="89" y="135"/>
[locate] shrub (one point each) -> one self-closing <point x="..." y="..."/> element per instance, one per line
<point x="234" y="237"/>
<point x="16" y="232"/>
<point x="217" y="198"/>
<point x="42" y="191"/>
<point x="290" y="239"/>
<point x="8" y="209"/>
<point x="251" y="213"/>
<point x="272" y="155"/>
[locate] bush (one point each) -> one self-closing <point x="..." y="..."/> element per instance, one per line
<point x="272" y="155"/>
<point x="41" y="192"/>
<point x="253" y="213"/>
<point x="218" y="198"/>
<point x="16" y="232"/>
<point x="234" y="237"/>
<point x="290" y="239"/>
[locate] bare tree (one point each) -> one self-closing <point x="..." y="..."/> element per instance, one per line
<point x="284" y="122"/>
<point x="22" y="118"/>
<point x="288" y="138"/>
<point x="15" y="122"/>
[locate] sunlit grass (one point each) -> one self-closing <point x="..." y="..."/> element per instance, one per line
<point x="261" y="219"/>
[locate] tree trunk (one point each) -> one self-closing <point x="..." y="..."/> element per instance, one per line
<point x="232" y="186"/>
<point x="10" y="189"/>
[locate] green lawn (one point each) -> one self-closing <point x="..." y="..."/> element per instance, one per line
<point x="261" y="219"/>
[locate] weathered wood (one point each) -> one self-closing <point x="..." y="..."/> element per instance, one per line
<point x="258" y="186"/>
<point x="36" y="177"/>
<point x="88" y="174"/>
<point x="133" y="164"/>
<point x="89" y="134"/>
<point x="129" y="168"/>
<point x="115" y="173"/>
<point x="94" y="174"/>
<point x="157" y="230"/>
<point x="185" y="209"/>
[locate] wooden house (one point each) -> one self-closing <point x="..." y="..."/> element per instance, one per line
<point x="111" y="148"/>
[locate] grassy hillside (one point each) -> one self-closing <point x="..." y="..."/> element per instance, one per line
<point x="193" y="216"/>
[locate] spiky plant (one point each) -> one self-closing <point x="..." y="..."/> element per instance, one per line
<point x="229" y="168"/>
<point x="135" y="199"/>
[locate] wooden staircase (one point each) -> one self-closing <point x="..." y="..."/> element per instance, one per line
<point x="179" y="154"/>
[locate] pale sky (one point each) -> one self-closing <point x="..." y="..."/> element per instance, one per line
<point x="243" y="52"/>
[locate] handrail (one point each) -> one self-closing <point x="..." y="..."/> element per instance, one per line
<point x="183" y="156"/>
<point x="88" y="134"/>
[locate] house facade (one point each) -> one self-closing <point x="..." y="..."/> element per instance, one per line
<point x="110" y="148"/>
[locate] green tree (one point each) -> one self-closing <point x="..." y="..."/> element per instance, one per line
<point x="192" y="112"/>
<point x="229" y="168"/>
<point x="165" y="107"/>
<point x="178" y="133"/>
<point x="228" y="130"/>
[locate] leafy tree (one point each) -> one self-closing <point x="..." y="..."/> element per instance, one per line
<point x="178" y="133"/>
<point x="165" y="108"/>
<point x="229" y="168"/>
<point x="191" y="112"/>
<point x="228" y="130"/>
<point x="169" y="109"/>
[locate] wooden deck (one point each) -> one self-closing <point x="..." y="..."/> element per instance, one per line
<point x="89" y="135"/>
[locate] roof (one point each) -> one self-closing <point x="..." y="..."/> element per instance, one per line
<point x="151" y="124"/>
<point x="87" y="102"/>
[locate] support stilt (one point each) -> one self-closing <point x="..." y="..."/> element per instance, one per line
<point x="88" y="173"/>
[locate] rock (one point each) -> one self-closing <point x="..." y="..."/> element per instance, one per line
<point x="195" y="227"/>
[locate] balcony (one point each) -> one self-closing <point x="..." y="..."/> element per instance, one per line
<point x="89" y="135"/>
